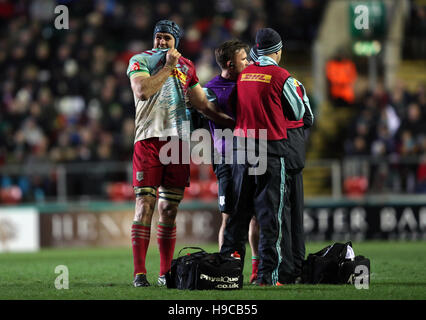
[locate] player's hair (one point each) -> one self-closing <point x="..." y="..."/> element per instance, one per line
<point x="226" y="51"/>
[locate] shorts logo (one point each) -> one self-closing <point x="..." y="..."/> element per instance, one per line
<point x="222" y="200"/>
<point x="139" y="175"/>
<point x="259" y="77"/>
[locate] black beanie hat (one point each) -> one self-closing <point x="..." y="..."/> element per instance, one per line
<point x="268" y="41"/>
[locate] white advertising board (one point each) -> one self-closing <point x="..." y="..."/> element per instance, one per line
<point x="19" y="230"/>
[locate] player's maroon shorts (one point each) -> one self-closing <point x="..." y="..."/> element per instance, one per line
<point x="148" y="170"/>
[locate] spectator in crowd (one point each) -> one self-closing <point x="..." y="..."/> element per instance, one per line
<point x="391" y="125"/>
<point x="341" y="75"/>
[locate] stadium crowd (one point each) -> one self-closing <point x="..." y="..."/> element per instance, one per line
<point x="65" y="97"/>
<point x="391" y="128"/>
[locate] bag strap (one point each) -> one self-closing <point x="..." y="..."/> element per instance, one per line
<point x="190" y="248"/>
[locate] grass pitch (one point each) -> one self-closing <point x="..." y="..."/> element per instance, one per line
<point x="398" y="272"/>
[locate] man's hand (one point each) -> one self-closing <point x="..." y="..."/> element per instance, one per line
<point x="145" y="86"/>
<point x="172" y="58"/>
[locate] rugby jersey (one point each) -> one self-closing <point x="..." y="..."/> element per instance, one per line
<point x="164" y="114"/>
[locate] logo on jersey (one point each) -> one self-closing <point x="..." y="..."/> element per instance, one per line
<point x="135" y="67"/>
<point x="180" y="75"/>
<point x="259" y="77"/>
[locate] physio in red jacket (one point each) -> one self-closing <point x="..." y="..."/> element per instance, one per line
<point x="266" y="95"/>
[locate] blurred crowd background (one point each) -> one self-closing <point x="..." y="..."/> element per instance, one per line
<point x="65" y="96"/>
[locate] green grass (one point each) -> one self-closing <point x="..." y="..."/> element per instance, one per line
<point x="398" y="272"/>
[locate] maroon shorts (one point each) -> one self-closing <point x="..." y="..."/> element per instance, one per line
<point x="149" y="170"/>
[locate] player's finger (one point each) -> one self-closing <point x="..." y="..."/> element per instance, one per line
<point x="176" y="53"/>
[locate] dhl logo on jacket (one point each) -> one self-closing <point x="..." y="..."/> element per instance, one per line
<point x="260" y="77"/>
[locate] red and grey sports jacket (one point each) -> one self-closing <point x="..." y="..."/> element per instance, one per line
<point x="296" y="136"/>
<point x="266" y="96"/>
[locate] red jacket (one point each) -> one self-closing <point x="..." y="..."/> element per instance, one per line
<point x="259" y="104"/>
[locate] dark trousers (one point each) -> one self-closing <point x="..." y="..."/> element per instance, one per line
<point x="264" y="195"/>
<point x="295" y="206"/>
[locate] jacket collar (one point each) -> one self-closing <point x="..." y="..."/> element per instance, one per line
<point x="266" y="61"/>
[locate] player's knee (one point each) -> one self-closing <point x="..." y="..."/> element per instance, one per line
<point x="144" y="208"/>
<point x="167" y="211"/>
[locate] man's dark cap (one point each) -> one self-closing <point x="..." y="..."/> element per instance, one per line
<point x="268" y="41"/>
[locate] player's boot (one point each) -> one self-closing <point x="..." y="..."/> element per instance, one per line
<point x="140" y="280"/>
<point x="278" y="284"/>
<point x="161" y="280"/>
<point x="253" y="278"/>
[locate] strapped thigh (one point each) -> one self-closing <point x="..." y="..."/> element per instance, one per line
<point x="173" y="196"/>
<point x="145" y="191"/>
